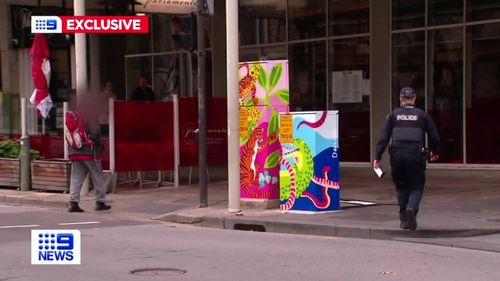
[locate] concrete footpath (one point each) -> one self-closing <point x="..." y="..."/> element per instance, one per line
<point x="452" y="207"/>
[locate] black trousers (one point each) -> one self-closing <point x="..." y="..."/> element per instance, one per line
<point x="408" y="175"/>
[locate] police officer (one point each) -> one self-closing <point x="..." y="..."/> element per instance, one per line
<point x="406" y="126"/>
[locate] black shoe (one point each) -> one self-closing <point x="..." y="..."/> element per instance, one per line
<point x="74" y="208"/>
<point x="101" y="206"/>
<point x="403" y="225"/>
<point x="411" y="219"/>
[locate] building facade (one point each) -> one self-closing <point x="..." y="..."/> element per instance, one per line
<point x="447" y="50"/>
<point x="348" y="55"/>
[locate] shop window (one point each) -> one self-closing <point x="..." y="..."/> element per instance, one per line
<point x="262" y="22"/>
<point x="307" y="76"/>
<point x="138" y="43"/>
<point x="163" y="32"/>
<point x="306" y="19"/>
<point x="483" y="10"/>
<point x="408" y="14"/>
<point x="349" y="17"/>
<point x="483" y="94"/>
<point x="349" y="76"/>
<point x="137" y="67"/>
<point x="263" y="53"/>
<point x="169" y="75"/>
<point x="408" y="65"/>
<point x="445" y="90"/>
<point x="445" y="11"/>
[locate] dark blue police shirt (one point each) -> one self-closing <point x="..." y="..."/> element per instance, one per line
<point x="406" y="126"/>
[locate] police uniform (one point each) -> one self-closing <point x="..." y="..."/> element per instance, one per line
<point x="406" y="127"/>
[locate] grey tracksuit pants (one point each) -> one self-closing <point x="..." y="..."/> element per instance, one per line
<point x="79" y="170"/>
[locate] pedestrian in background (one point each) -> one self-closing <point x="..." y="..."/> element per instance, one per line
<point x="143" y="91"/>
<point x="106" y="94"/>
<point x="406" y="127"/>
<point x="87" y="159"/>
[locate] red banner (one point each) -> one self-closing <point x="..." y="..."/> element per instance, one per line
<point x="144" y="136"/>
<point x="216" y="131"/>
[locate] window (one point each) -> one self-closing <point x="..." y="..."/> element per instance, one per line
<point x="137" y="67"/>
<point x="408" y="14"/>
<point x="483" y="94"/>
<point x="349" y="17"/>
<point x="307" y="19"/>
<point x="408" y="65"/>
<point x="263" y="53"/>
<point x="349" y="60"/>
<point x="307" y="76"/>
<point x="262" y="22"/>
<point x="445" y="11"/>
<point x="483" y="10"/>
<point x="445" y="92"/>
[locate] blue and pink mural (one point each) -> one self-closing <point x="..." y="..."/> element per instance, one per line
<point x="309" y="167"/>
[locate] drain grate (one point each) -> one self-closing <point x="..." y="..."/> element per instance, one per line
<point x="158" y="272"/>
<point x="250" y="227"/>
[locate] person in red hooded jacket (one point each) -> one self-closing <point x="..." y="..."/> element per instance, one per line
<point x="87" y="159"/>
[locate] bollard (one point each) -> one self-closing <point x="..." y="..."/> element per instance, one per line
<point x="25" y="177"/>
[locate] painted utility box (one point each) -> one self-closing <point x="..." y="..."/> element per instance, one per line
<point x="309" y="174"/>
<point x="263" y="94"/>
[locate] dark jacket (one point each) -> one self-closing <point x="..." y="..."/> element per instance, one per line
<point x="406" y="126"/>
<point x="141" y="94"/>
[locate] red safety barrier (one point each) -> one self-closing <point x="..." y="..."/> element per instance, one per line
<point x="216" y="131"/>
<point x="144" y="136"/>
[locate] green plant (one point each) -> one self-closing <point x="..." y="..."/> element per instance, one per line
<point x="12" y="149"/>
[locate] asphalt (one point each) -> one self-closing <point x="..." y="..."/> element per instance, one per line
<point x="452" y="207"/>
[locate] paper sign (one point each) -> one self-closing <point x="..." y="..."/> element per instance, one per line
<point x="286" y="128"/>
<point x="243" y="123"/>
<point x="347" y="86"/>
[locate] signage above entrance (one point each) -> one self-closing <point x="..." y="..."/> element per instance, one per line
<point x="166" y="6"/>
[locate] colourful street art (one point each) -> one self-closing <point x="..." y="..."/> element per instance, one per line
<point x="263" y="94"/>
<point x="309" y="173"/>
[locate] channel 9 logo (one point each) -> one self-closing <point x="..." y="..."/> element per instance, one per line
<point x="46" y="24"/>
<point x="55" y="246"/>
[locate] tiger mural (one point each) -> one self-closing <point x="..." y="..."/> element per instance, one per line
<point x="247" y="165"/>
<point x="247" y="88"/>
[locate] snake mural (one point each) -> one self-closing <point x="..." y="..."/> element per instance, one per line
<point x="299" y="158"/>
<point x="297" y="176"/>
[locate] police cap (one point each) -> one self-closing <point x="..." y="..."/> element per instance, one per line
<point x="407" y="92"/>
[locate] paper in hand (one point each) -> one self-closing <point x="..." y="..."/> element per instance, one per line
<point x="379" y="172"/>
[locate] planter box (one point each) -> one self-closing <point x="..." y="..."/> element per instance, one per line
<point x="9" y="172"/>
<point x="51" y="174"/>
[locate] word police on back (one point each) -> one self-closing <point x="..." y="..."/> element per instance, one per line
<point x="404" y="117"/>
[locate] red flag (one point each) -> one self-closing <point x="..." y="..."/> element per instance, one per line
<point x="40" y="71"/>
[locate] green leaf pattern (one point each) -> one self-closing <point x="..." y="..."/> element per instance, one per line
<point x="272" y="160"/>
<point x="275" y="76"/>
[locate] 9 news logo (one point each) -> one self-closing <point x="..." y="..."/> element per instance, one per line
<point x="46" y="24"/>
<point x="55" y="247"/>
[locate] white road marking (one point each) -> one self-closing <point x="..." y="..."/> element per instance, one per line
<point x="19" y="226"/>
<point x="77" y="223"/>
